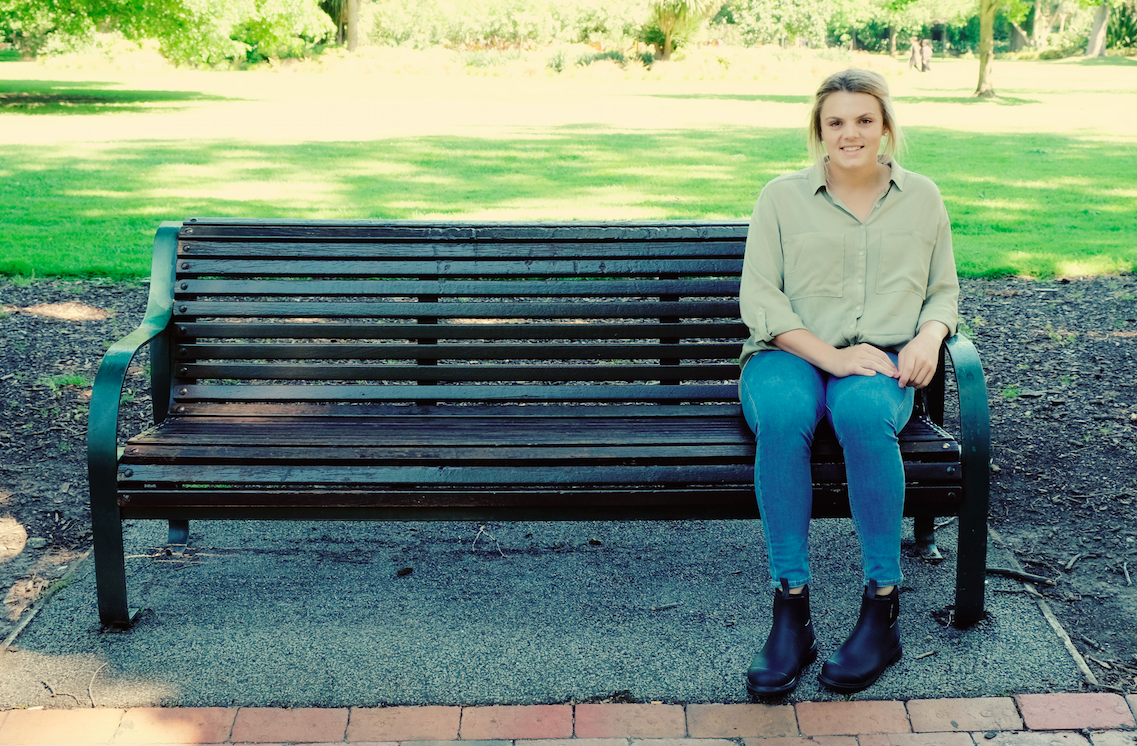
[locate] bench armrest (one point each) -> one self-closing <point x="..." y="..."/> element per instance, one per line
<point x="102" y="421"/>
<point x="975" y="441"/>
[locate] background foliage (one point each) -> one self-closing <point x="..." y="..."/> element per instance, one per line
<point x="238" y="32"/>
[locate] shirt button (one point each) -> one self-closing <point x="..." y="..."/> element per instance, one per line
<point x="858" y="309"/>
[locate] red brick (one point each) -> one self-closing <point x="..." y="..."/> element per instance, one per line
<point x="984" y="713"/>
<point x="802" y="741"/>
<point x="630" y="721"/>
<point x="60" y="726"/>
<point x="516" y="721"/>
<point x="302" y="725"/>
<point x="178" y="725"/>
<point x="579" y="742"/>
<point x="851" y="718"/>
<point x="684" y="742"/>
<point x="404" y="724"/>
<point x="945" y="738"/>
<point x="736" y="721"/>
<point x="1032" y="738"/>
<point x="1101" y="710"/>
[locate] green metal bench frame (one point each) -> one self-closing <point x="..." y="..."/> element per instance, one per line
<point x="958" y="481"/>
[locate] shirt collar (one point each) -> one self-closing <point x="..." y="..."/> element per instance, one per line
<point x="817" y="174"/>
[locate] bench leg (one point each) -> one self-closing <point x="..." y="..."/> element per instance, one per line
<point x="925" y="529"/>
<point x="971" y="564"/>
<point x="179" y="532"/>
<point x="110" y="571"/>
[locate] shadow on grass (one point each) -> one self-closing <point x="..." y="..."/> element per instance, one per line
<point x="1107" y="61"/>
<point x="764" y="98"/>
<point x="86" y="97"/>
<point x="972" y="100"/>
<point x="1038" y="204"/>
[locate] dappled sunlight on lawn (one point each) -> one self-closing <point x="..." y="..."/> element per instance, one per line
<point x="1047" y="168"/>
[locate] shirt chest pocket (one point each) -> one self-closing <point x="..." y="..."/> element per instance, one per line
<point x="905" y="258"/>
<point x="815" y="265"/>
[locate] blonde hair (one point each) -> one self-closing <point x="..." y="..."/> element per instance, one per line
<point x="856" y="80"/>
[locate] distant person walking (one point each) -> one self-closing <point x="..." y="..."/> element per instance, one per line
<point x="926" y="56"/>
<point x="914" y="54"/>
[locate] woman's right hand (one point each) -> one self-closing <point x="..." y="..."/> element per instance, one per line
<point x="860" y="360"/>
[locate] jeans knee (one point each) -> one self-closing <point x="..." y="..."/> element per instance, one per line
<point x="781" y="394"/>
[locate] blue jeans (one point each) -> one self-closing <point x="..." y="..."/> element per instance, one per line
<point x="783" y="399"/>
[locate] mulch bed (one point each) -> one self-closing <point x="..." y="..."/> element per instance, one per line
<point x="1061" y="374"/>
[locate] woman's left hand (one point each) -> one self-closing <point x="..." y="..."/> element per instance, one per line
<point x="920" y="357"/>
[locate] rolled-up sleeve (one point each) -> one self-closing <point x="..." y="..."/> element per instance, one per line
<point x="941" y="303"/>
<point x="765" y="309"/>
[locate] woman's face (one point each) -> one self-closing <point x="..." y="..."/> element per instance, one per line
<point x="852" y="126"/>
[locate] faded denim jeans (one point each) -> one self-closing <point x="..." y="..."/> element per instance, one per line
<point x="783" y="399"/>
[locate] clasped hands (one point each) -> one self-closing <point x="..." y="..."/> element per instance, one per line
<point x="917" y="360"/>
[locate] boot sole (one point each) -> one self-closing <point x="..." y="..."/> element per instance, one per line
<point x="772" y="691"/>
<point x="861" y="685"/>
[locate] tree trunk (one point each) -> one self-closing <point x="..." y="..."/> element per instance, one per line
<point x="352" y="25"/>
<point x="1041" y="25"/>
<point x="1096" y="45"/>
<point x="892" y="40"/>
<point x="852" y="39"/>
<point x="1019" y="39"/>
<point x="987" y="10"/>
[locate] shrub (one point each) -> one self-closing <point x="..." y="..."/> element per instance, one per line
<point x="615" y="55"/>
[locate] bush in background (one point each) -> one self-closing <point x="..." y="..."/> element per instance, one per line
<point x="502" y="23"/>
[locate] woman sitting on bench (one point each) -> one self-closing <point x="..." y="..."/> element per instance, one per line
<point x="848" y="289"/>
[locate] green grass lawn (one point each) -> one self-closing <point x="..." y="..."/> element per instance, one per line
<point x="91" y="168"/>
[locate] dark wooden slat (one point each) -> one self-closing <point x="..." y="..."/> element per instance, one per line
<point x="378" y="230"/>
<point x="270" y="247"/>
<point x="599" y="288"/>
<point x="583" y="393"/>
<point x="229" y="454"/>
<point x="621" y="437"/>
<point x="454" y="373"/>
<point x="304" y="412"/>
<point x="673" y="503"/>
<point x="473" y="268"/>
<point x="447" y="431"/>
<point x="438" y="475"/>
<point x="334" y="330"/>
<point x="468" y="351"/>
<point x="488" y="471"/>
<point x="456" y="310"/>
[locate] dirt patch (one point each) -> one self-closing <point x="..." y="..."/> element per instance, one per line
<point x="1062" y="380"/>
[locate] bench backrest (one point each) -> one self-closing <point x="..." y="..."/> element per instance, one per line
<point x="274" y="313"/>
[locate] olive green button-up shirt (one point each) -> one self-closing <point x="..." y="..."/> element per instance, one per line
<point x="811" y="264"/>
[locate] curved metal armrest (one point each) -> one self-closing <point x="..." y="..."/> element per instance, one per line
<point x="975" y="441"/>
<point x="974" y="415"/>
<point x="102" y="421"/>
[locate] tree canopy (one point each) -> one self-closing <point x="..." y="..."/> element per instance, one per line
<point x="211" y="32"/>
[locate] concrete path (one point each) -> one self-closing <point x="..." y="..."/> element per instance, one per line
<point x="299" y="615"/>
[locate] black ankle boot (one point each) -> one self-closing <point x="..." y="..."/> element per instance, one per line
<point x="790" y="647"/>
<point x="871" y="648"/>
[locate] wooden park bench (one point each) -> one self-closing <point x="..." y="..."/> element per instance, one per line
<point x="456" y="371"/>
